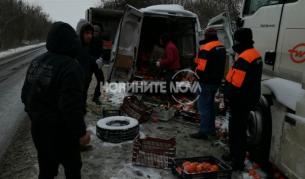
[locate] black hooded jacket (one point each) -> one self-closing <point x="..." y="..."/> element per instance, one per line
<point x="53" y="89"/>
<point x="86" y="60"/>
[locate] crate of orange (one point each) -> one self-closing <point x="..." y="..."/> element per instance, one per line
<point x="201" y="168"/>
<point x="154" y="152"/>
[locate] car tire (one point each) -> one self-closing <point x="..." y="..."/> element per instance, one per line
<point x="117" y="129"/>
<point x="259" y="127"/>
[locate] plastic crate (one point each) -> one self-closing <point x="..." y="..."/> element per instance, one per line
<point x="134" y="108"/>
<point x="224" y="172"/>
<point x="154" y="152"/>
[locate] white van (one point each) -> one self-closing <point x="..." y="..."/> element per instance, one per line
<point x="140" y="30"/>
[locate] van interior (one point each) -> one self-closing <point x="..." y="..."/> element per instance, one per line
<point x="182" y="32"/>
<point x="107" y="19"/>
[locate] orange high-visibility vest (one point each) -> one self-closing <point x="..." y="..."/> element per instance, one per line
<point x="201" y="62"/>
<point x="237" y="76"/>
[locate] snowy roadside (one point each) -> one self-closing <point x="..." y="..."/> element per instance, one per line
<point x="19" y="50"/>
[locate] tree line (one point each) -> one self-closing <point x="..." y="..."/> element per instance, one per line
<point x="205" y="9"/>
<point x="21" y="23"/>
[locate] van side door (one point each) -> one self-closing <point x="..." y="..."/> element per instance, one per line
<point x="126" y="45"/>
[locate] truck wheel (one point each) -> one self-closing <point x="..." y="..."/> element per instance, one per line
<point x="116" y="129"/>
<point x="259" y="132"/>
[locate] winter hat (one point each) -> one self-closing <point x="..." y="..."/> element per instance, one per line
<point x="210" y="31"/>
<point x="210" y="34"/>
<point x="244" y="36"/>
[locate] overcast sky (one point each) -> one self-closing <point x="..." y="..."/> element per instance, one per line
<point x="69" y="11"/>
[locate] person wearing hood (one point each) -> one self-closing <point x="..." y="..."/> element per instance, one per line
<point x="53" y="97"/>
<point x="210" y="65"/>
<point x="85" y="58"/>
<point x="242" y="93"/>
<point x="97" y="51"/>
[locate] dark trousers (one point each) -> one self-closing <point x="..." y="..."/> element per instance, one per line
<point x="99" y="79"/>
<point x="48" y="166"/>
<point x="237" y="134"/>
<point x="54" y="149"/>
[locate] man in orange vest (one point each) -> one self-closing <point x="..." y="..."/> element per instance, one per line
<point x="210" y="63"/>
<point x="242" y="92"/>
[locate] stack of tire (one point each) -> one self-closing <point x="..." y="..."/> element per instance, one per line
<point x="117" y="129"/>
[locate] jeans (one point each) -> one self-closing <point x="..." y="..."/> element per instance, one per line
<point x="206" y="108"/>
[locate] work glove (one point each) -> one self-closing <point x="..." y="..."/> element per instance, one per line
<point x="99" y="62"/>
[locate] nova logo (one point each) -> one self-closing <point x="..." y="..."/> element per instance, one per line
<point x="297" y="54"/>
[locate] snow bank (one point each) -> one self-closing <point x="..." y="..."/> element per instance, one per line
<point x="107" y="144"/>
<point x="19" y="50"/>
<point x="286" y="92"/>
<point x="129" y="171"/>
<point x="168" y="9"/>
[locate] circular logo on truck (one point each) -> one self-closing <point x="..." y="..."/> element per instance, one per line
<point x="297" y="54"/>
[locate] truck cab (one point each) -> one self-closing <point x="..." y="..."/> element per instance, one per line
<point x="276" y="128"/>
<point x="136" y="45"/>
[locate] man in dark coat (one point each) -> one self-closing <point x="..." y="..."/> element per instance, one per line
<point x="85" y="58"/>
<point x="97" y="51"/>
<point x="242" y="92"/>
<point x="53" y="97"/>
<point x="210" y="65"/>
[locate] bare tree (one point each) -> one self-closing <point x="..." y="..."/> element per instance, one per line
<point x="21" y="22"/>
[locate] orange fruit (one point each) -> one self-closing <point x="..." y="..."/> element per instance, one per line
<point x="191" y="168"/>
<point x="206" y="166"/>
<point x="252" y="172"/>
<point x="257" y="176"/>
<point x="214" y="168"/>
<point x="200" y="168"/>
<point x="186" y="163"/>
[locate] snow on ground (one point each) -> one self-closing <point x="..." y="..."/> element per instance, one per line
<point x="19" y="50"/>
<point x="105" y="160"/>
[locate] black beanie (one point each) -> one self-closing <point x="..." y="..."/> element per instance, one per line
<point x="244" y="36"/>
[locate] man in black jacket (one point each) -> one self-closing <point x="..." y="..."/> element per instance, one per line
<point x="210" y="63"/>
<point x="242" y="92"/>
<point x="85" y="58"/>
<point x="97" y="51"/>
<point x="53" y="97"/>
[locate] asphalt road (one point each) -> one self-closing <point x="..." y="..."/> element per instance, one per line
<point x="12" y="74"/>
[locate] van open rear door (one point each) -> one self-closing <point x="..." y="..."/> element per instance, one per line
<point x="126" y="45"/>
